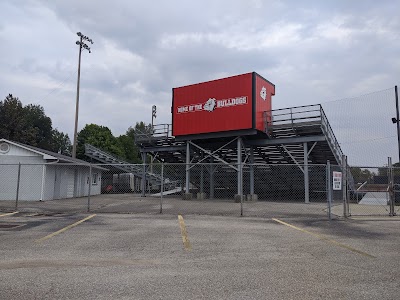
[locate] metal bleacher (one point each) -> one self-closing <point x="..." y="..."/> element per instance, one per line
<point x="282" y="142"/>
<point x="291" y="131"/>
<point x="120" y="165"/>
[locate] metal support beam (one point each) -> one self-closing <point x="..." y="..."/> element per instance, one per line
<point x="292" y="140"/>
<point x="202" y="179"/>
<point x="397" y="120"/>
<point x="166" y="149"/>
<point x="162" y="187"/>
<point x="187" y="167"/>
<point x="18" y="184"/>
<point x="391" y="188"/>
<point x="251" y="171"/>
<point x="293" y="158"/>
<point x="329" y="188"/>
<point x="212" y="154"/>
<point x="240" y="174"/>
<point x="239" y="167"/>
<point x="344" y="186"/>
<point x="306" y="177"/>
<point x="90" y="187"/>
<point x="311" y="149"/>
<point x="212" y="177"/>
<point x="144" y="174"/>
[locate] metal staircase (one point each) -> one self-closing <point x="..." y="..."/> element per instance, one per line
<point x="121" y="165"/>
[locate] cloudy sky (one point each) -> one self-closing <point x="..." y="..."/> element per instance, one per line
<point x="313" y="51"/>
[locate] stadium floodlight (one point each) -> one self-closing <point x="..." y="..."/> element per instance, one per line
<point x="153" y="116"/>
<point x="81" y="45"/>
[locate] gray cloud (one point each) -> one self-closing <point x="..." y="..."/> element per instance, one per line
<point x="314" y="51"/>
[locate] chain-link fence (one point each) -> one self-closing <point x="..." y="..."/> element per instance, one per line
<point x="364" y="128"/>
<point x="258" y="190"/>
<point x="376" y="191"/>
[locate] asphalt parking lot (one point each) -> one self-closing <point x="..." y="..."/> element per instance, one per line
<point x="142" y="256"/>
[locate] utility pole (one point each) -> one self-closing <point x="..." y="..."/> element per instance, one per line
<point x="397" y="119"/>
<point x="81" y="44"/>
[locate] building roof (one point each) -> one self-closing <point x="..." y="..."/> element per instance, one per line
<point x="47" y="155"/>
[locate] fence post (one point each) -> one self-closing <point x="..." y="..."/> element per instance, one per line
<point x="306" y="174"/>
<point x="90" y="187"/>
<point x="144" y="174"/>
<point x="187" y="195"/>
<point x="344" y="186"/>
<point x="162" y="187"/>
<point x="18" y="182"/>
<point x="212" y="169"/>
<point x="239" y="174"/>
<point x="329" y="188"/>
<point x="391" y="188"/>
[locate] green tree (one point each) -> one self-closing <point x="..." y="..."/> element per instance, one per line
<point x="39" y="126"/>
<point x="140" y="128"/>
<point x="12" y="123"/>
<point x="30" y="125"/>
<point x="60" y="143"/>
<point x="362" y="175"/>
<point x="383" y="171"/>
<point x="100" y="137"/>
<point x="131" y="151"/>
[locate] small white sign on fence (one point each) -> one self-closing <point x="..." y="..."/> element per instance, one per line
<point x="337" y="181"/>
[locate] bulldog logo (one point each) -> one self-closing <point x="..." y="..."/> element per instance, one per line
<point x="263" y="93"/>
<point x="210" y="105"/>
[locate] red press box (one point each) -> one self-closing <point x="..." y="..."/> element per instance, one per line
<point x="228" y="104"/>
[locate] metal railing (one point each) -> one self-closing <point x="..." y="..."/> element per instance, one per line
<point x="332" y="140"/>
<point x="305" y="116"/>
<point x="155" y="132"/>
<point x="293" y="115"/>
<point x="117" y="163"/>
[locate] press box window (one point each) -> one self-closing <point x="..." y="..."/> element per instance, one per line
<point x="95" y="177"/>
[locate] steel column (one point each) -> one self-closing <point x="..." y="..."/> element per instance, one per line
<point x="251" y="171"/>
<point x="162" y="187"/>
<point x="240" y="174"/>
<point x="90" y="187"/>
<point x="187" y="186"/>
<point x="397" y="120"/>
<point x="329" y="188"/>
<point x="391" y="188"/>
<point x="306" y="177"/>
<point x="212" y="177"/>
<point x="344" y="186"/>
<point x="239" y="166"/>
<point x="144" y="174"/>
<point x="202" y="179"/>
<point x="43" y="182"/>
<point x="18" y="183"/>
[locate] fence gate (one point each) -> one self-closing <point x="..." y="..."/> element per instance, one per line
<point x="376" y="191"/>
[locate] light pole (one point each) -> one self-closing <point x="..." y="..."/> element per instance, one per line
<point x="153" y="116"/>
<point x="397" y="120"/>
<point x="81" y="44"/>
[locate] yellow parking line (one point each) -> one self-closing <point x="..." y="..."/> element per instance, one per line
<point x="185" y="238"/>
<point x="8" y="214"/>
<point x="324" y="238"/>
<point x="64" y="229"/>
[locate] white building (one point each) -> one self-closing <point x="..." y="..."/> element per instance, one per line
<point x="43" y="175"/>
